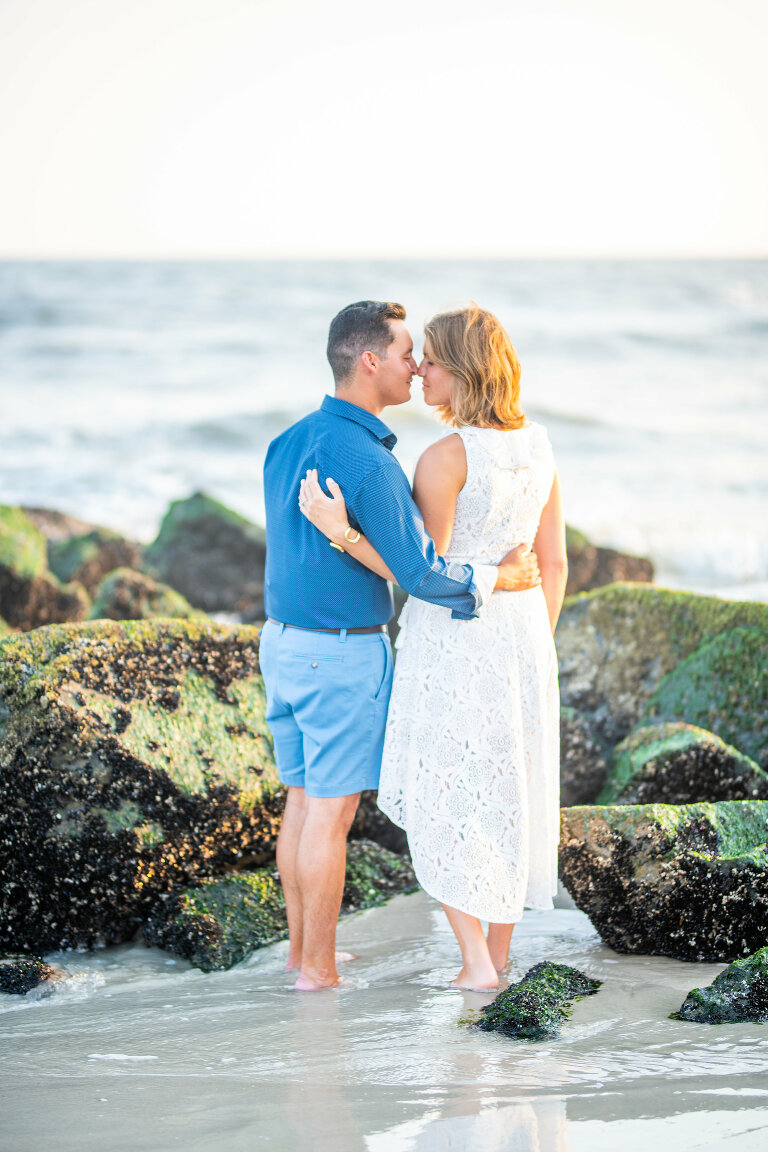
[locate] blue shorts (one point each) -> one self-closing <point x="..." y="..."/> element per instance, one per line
<point x="327" y="699"/>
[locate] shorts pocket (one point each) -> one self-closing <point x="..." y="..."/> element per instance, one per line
<point x="383" y="682"/>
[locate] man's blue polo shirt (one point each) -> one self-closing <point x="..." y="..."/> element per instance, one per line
<point x="311" y="585"/>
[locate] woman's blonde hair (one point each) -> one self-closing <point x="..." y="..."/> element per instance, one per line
<point x="472" y="345"/>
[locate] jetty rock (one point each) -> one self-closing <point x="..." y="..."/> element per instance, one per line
<point x="739" y="994"/>
<point x="687" y="881"/>
<point x="631" y="654"/>
<point x="590" y="566"/>
<point x="89" y="558"/>
<point x="133" y="757"/>
<point x="535" y="1007"/>
<point x="21" y="973"/>
<point x="223" y="920"/>
<point x="129" y="595"/>
<point x="584" y="759"/>
<point x="30" y="595"/>
<point x="212" y="555"/>
<point x="678" y="763"/>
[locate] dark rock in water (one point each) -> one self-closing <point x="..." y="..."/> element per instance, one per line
<point x="680" y="764"/>
<point x="19" y="973"/>
<point x="689" y="882"/>
<point x="90" y="557"/>
<point x="584" y="759"/>
<point x="221" y="922"/>
<point x="631" y="653"/>
<point x="370" y="823"/>
<point x="738" y="994"/>
<point x="212" y="555"/>
<point x="30" y="596"/>
<point x="133" y="757"/>
<point x="129" y="595"/>
<point x="535" y="1007"/>
<point x="592" y="567"/>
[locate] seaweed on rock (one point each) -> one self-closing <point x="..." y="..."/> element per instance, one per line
<point x="535" y="1007"/>
<point x="739" y="994"/>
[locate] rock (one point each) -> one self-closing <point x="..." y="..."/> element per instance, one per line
<point x="29" y="595"/>
<point x="4" y="628"/>
<point x="90" y="557"/>
<point x="133" y="757"/>
<point x="689" y="882"/>
<point x="221" y="922"/>
<point x="584" y="759"/>
<point x="630" y="654"/>
<point x="129" y="595"/>
<point x="738" y="994"/>
<point x="370" y="823"/>
<point x="535" y="1007"/>
<point x="57" y="525"/>
<point x="19" y="974"/>
<point x="680" y="764"/>
<point x="592" y="567"/>
<point x="212" y="556"/>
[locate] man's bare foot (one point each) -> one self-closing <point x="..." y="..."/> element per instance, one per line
<point x="477" y="979"/>
<point x="341" y="958"/>
<point x="305" y="984"/>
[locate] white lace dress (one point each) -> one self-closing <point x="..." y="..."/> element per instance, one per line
<point x="471" y="757"/>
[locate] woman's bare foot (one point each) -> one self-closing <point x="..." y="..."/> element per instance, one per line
<point x="341" y="958"/>
<point x="306" y="984"/>
<point x="483" y="978"/>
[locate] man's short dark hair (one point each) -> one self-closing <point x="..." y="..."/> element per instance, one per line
<point x="358" y="328"/>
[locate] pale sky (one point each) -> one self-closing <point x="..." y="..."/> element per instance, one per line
<point x="425" y="128"/>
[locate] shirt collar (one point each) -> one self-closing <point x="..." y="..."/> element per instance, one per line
<point x="343" y="408"/>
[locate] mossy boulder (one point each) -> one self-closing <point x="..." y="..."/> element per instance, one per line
<point x="680" y="764"/>
<point x="630" y="653"/>
<point x="590" y="566"/>
<point x="738" y="994"/>
<point x="687" y="881"/>
<point x="19" y="974"/>
<point x="89" y="557"/>
<point x="4" y="628"/>
<point x="584" y="759"/>
<point x="129" y="595"/>
<point x="133" y="757"/>
<point x="212" y="555"/>
<point x="30" y="596"/>
<point x="223" y="920"/>
<point x="535" y="1007"/>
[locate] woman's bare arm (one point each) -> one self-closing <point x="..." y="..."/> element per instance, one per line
<point x="549" y="547"/>
<point x="329" y="515"/>
<point x="440" y="475"/>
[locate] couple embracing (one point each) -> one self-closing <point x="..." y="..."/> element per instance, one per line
<point x="463" y="747"/>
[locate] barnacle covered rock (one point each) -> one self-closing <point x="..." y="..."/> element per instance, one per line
<point x="535" y="1007"/>
<point x="738" y="994"/>
<point x="133" y="757"/>
<point x="30" y="595"/>
<point x="128" y="595"/>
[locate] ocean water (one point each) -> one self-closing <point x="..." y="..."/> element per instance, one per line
<point x="126" y="385"/>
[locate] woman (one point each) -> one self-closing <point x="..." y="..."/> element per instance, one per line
<point x="470" y="767"/>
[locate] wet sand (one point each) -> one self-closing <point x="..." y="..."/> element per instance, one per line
<point x="140" y="1052"/>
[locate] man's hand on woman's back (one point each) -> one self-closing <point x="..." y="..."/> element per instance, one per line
<point x="518" y="570"/>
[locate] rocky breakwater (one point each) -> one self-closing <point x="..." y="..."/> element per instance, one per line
<point x="687" y="881"/>
<point x="133" y="758"/>
<point x="30" y="594"/>
<point x="633" y="656"/>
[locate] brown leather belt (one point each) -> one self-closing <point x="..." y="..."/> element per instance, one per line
<point x="349" y="631"/>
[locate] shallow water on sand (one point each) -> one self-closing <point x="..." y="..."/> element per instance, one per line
<point x="138" y="1051"/>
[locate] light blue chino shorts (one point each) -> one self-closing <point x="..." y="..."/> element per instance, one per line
<point x="327" y="699"/>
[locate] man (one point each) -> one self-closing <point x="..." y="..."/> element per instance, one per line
<point x="325" y="653"/>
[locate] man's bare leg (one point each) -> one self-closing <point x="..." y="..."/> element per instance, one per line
<point x="478" y="973"/>
<point x="499" y="939"/>
<point x="287" y="850"/>
<point x="320" y="865"/>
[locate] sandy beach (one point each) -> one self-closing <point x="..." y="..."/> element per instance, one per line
<point x="139" y="1051"/>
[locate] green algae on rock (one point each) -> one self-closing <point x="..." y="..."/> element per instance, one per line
<point x="687" y="881"/>
<point x="617" y="645"/>
<point x="90" y="557"/>
<point x="128" y="595"/>
<point x="738" y="994"/>
<point x="5" y="629"/>
<point x="133" y="757"/>
<point x="30" y="596"/>
<point x="680" y="764"/>
<point x="223" y="920"/>
<point x="535" y="1007"/>
<point x="20" y="973"/>
<point x="212" y="555"/>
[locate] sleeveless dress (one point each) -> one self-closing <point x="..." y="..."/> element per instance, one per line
<point x="471" y="756"/>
